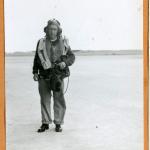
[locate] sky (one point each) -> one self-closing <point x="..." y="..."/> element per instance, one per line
<point x="88" y="24"/>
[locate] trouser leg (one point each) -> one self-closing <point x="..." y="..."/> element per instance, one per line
<point x="45" y="99"/>
<point x="59" y="105"/>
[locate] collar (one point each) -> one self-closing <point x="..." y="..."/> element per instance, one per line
<point x="54" y="40"/>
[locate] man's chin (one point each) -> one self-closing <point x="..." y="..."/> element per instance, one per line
<point x="53" y="38"/>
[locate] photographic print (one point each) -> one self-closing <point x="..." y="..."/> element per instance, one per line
<point x="75" y="75"/>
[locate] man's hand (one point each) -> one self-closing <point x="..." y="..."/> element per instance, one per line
<point x="62" y="65"/>
<point x="36" y="77"/>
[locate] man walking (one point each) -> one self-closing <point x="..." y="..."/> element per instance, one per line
<point x="49" y="52"/>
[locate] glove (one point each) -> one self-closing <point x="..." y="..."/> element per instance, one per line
<point x="62" y="65"/>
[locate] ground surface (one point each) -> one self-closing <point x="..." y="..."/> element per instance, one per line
<point x="104" y="106"/>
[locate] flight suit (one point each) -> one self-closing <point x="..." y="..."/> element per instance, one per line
<point x="44" y="86"/>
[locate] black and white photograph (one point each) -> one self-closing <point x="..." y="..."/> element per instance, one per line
<point x="74" y="74"/>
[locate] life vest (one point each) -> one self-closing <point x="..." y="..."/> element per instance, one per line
<point x="60" y="49"/>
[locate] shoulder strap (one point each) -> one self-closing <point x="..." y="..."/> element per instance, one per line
<point x="66" y="44"/>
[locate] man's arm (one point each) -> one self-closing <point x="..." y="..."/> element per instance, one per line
<point x="70" y="57"/>
<point x="35" y="62"/>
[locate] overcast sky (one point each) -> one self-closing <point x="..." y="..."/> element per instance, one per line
<point x="89" y="24"/>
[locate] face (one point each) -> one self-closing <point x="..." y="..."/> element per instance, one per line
<point x="52" y="31"/>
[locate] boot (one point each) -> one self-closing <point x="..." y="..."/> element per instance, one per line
<point x="58" y="128"/>
<point x="43" y="127"/>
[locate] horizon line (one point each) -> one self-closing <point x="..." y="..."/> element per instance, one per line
<point x="76" y="50"/>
